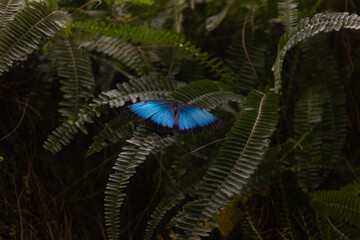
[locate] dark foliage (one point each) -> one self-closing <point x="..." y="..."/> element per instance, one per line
<point x="281" y="75"/>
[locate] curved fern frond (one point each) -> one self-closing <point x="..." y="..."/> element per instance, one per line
<point x="306" y="28"/>
<point x="288" y="13"/>
<point x="173" y="197"/>
<point x="8" y="9"/>
<point x="237" y="160"/>
<point x="148" y="35"/>
<point x="205" y="94"/>
<point x="31" y="27"/>
<point x="341" y="205"/>
<point x="115" y="130"/>
<point x="74" y="67"/>
<point x="150" y="87"/>
<point x="132" y="155"/>
<point x="119" y="50"/>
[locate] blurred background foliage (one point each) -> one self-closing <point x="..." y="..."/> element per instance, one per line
<point x="64" y="79"/>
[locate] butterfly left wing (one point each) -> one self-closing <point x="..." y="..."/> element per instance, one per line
<point x="157" y="115"/>
<point x="195" y="120"/>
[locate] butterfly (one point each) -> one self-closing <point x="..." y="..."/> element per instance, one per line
<point x="166" y="116"/>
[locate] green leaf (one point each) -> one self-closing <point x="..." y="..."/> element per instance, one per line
<point x="74" y="68"/>
<point x="31" y="27"/>
<point x="8" y="9"/>
<point x="132" y="155"/>
<point x="205" y="94"/>
<point x="115" y="130"/>
<point x="341" y="205"/>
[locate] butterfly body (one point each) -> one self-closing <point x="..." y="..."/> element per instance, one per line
<point x="166" y="116"/>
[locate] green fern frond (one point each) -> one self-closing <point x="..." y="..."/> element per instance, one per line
<point x="237" y="160"/>
<point x="172" y="198"/>
<point x="341" y="205"/>
<point x="119" y="50"/>
<point x="140" y="145"/>
<point x="246" y="58"/>
<point x="205" y="94"/>
<point x="74" y="68"/>
<point x="324" y="69"/>
<point x="8" y="9"/>
<point x="150" y="87"/>
<point x="148" y="35"/>
<point x="308" y="114"/>
<point x="115" y="130"/>
<point x="30" y="28"/>
<point x="288" y="13"/>
<point x="306" y="28"/>
<point x="353" y="187"/>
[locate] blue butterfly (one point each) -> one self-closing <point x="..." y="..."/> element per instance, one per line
<point x="166" y="116"/>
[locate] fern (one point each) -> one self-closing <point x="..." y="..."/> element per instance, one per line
<point x="288" y="13"/>
<point x="30" y="28"/>
<point x="148" y="35"/>
<point x="236" y="162"/>
<point x="308" y="113"/>
<point x="214" y="21"/>
<point x="119" y="50"/>
<point x="141" y="144"/>
<point x="150" y="87"/>
<point x="205" y="94"/>
<point x="341" y="205"/>
<point x="8" y="9"/>
<point x="246" y="57"/>
<point x="306" y="28"/>
<point x="74" y="67"/>
<point x="114" y="131"/>
<point x="172" y="198"/>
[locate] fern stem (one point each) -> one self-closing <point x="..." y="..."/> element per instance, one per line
<point x="337" y="230"/>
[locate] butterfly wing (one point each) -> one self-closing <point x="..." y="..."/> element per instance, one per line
<point x="193" y="119"/>
<point x="158" y="115"/>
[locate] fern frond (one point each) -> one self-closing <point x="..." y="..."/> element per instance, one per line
<point x="119" y="50"/>
<point x="148" y="35"/>
<point x="31" y="27"/>
<point x="115" y="130"/>
<point x="74" y="68"/>
<point x="341" y="205"/>
<point x="205" y="94"/>
<point x="288" y="13"/>
<point x="237" y="160"/>
<point x="214" y="21"/>
<point x="306" y="28"/>
<point x="247" y="64"/>
<point x="150" y="87"/>
<point x="172" y="198"/>
<point x="353" y="187"/>
<point x="140" y="145"/>
<point x="8" y="9"/>
<point x="308" y="113"/>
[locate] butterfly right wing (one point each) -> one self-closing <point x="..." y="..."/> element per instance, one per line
<point x="194" y="120"/>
